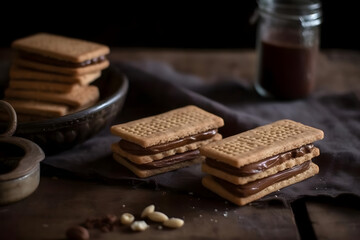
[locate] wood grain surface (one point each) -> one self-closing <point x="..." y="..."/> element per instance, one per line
<point x="61" y="203"/>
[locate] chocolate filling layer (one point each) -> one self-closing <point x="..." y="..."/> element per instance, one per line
<point x="60" y="63"/>
<point x="140" y="151"/>
<point x="261" y="165"/>
<point x="258" y="185"/>
<point x="168" y="161"/>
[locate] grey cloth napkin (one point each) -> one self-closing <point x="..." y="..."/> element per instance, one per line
<point x="156" y="88"/>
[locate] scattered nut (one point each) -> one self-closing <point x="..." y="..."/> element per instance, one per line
<point x="77" y="233"/>
<point x="149" y="209"/>
<point x="158" y="217"/>
<point x="139" y="226"/>
<point x="110" y="221"/>
<point x="127" y="218"/>
<point x="105" y="224"/>
<point x="110" y="218"/>
<point x="174" y="223"/>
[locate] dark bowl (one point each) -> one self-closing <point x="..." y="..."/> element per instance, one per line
<point x="58" y="134"/>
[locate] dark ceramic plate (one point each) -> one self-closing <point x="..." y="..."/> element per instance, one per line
<point x="58" y="134"/>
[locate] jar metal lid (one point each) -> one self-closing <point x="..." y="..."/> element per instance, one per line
<point x="307" y="12"/>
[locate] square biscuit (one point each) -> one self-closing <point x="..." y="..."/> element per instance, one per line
<point x="82" y="96"/>
<point x="209" y="182"/>
<point x="60" y="47"/>
<point x="37" y="108"/>
<point x="62" y="70"/>
<point x="141" y="173"/>
<point x="168" y="126"/>
<point x="42" y="86"/>
<point x="261" y="142"/>
<point x="19" y="73"/>
<point x="30" y="110"/>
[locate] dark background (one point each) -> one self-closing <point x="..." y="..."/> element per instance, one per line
<point x="169" y="25"/>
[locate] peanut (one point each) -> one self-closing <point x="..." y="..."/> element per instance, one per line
<point x="158" y="217"/>
<point x="139" y="226"/>
<point x="149" y="209"/>
<point x="127" y="218"/>
<point x="174" y="223"/>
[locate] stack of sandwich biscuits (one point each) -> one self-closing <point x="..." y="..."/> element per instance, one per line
<point x="51" y="75"/>
<point x="165" y="142"/>
<point x="247" y="166"/>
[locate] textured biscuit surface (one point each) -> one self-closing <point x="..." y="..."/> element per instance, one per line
<point x="59" y="47"/>
<point x="43" y="109"/>
<point x="168" y="126"/>
<point x="42" y="85"/>
<point x="215" y="187"/>
<point x="259" y="143"/>
<point x="278" y="168"/>
<point x="62" y="70"/>
<point x="82" y="96"/>
<point x="28" y="74"/>
<point x="149" y="158"/>
<point x="151" y="172"/>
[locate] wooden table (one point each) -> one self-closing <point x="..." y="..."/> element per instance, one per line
<point x="62" y="200"/>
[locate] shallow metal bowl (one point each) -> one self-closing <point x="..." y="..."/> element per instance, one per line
<point x="58" y="134"/>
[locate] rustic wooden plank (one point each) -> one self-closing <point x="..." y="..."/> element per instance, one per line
<point x="335" y="218"/>
<point x="59" y="204"/>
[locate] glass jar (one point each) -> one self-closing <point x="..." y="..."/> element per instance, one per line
<point x="287" y="47"/>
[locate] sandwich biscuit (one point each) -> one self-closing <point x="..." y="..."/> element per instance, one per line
<point x="79" y="97"/>
<point x="247" y="166"/>
<point x="42" y="86"/>
<point x="50" y="75"/>
<point x="60" y="69"/>
<point x="29" y="74"/>
<point x="36" y="108"/>
<point x="58" y="54"/>
<point x="165" y="142"/>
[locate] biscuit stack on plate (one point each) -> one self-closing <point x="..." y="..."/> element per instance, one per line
<point x="165" y="142"/>
<point x="51" y="75"/>
<point x="252" y="164"/>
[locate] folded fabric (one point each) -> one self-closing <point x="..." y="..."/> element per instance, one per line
<point x="156" y="88"/>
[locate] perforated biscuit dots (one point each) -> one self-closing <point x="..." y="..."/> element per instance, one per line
<point x="162" y="123"/>
<point x="261" y="137"/>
